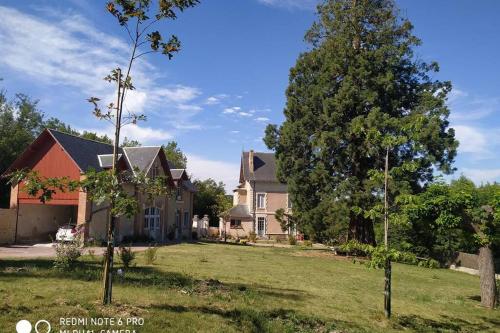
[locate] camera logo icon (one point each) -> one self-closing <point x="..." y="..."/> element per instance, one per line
<point x="41" y="326"/>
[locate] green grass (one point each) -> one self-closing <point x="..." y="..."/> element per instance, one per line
<point x="229" y="288"/>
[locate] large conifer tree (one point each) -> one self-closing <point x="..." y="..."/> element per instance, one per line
<point x="358" y="91"/>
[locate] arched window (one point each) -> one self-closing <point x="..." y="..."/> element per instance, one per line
<point x="152" y="218"/>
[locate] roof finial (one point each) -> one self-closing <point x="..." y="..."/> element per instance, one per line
<point x="250" y="160"/>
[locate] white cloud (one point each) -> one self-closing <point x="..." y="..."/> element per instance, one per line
<point x="466" y="107"/>
<point x="68" y="50"/>
<point x="471" y="139"/>
<point x="262" y="119"/>
<point x="231" y="110"/>
<point x="479" y="176"/>
<point x="203" y="168"/>
<point x="216" y="99"/>
<point x="290" y="4"/>
<point x="143" y="134"/>
<point x="235" y="132"/>
<point x="245" y="114"/>
<point x="178" y="94"/>
<point x="189" y="107"/>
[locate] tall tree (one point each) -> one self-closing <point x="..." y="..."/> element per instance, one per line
<point x="476" y="211"/>
<point x="130" y="143"/>
<point x="356" y="93"/>
<point x="210" y="199"/>
<point x="20" y="122"/>
<point x="175" y="155"/>
<point x="137" y="18"/>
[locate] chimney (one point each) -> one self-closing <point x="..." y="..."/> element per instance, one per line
<point x="250" y="161"/>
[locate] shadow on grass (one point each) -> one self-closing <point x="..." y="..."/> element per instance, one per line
<point x="143" y="276"/>
<point x="276" y="320"/>
<point x="446" y="324"/>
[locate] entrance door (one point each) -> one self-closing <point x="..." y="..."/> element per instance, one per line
<point x="152" y="222"/>
<point x="261" y="226"/>
<point x="178" y="225"/>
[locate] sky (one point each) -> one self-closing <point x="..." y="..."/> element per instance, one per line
<point x="217" y="95"/>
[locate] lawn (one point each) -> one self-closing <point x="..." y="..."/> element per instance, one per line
<point x="228" y="288"/>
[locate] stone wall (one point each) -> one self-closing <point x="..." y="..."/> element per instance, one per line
<point x="7" y="225"/>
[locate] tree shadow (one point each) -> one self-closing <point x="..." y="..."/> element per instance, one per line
<point x="140" y="276"/>
<point x="476" y="298"/>
<point x="447" y="324"/>
<point x="252" y="320"/>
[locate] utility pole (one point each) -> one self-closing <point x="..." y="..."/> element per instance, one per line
<point x="387" y="268"/>
<point x="108" y="264"/>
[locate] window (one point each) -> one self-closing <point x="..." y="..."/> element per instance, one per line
<point x="178" y="218"/>
<point x="155" y="171"/>
<point x="186" y="219"/>
<point x="289" y="201"/>
<point x="152" y="218"/>
<point x="261" y="226"/>
<point x="261" y="200"/>
<point x="235" y="223"/>
<point x="179" y="192"/>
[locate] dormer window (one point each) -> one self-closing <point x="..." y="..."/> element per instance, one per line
<point x="155" y="171"/>
<point x="261" y="200"/>
<point x="179" y="192"/>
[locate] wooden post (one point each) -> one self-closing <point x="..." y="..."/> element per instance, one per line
<point x="387" y="268"/>
<point x="108" y="264"/>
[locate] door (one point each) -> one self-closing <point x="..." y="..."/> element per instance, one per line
<point x="178" y="226"/>
<point x="261" y="226"/>
<point x="152" y="222"/>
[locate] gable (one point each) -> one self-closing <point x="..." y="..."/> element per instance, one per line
<point x="49" y="159"/>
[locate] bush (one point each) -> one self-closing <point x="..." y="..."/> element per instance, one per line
<point x="252" y="237"/>
<point x="308" y="243"/>
<point x="194" y="235"/>
<point x="136" y="239"/>
<point x="378" y="255"/>
<point x="67" y="253"/>
<point x="127" y="256"/>
<point x="150" y="255"/>
<point x="292" y="240"/>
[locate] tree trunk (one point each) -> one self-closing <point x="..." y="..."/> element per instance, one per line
<point x="107" y="287"/>
<point x="387" y="288"/>
<point x="361" y="230"/>
<point x="487" y="277"/>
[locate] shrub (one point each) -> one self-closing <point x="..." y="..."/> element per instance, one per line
<point x="194" y="235"/>
<point x="292" y="240"/>
<point x="308" y="243"/>
<point x="252" y="237"/>
<point x="150" y="255"/>
<point x="136" y="239"/>
<point x="127" y="256"/>
<point x="67" y="253"/>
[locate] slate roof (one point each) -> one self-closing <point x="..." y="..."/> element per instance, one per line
<point x="189" y="186"/>
<point x="141" y="157"/>
<point x="240" y="211"/>
<point x="83" y="151"/>
<point x="264" y="167"/>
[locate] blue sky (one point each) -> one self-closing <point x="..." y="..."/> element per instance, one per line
<point x="216" y="97"/>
